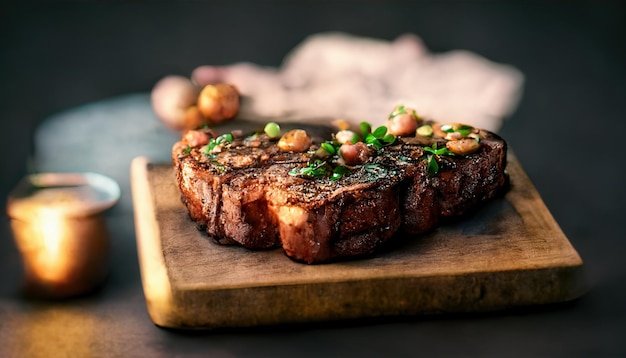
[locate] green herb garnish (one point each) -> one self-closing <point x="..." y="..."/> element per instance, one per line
<point x="438" y="151"/>
<point x="433" y="157"/>
<point x="366" y="129"/>
<point x="323" y="164"/>
<point x="226" y="138"/>
<point x="339" y="172"/>
<point x="432" y="166"/>
<point x="187" y="150"/>
<point x="378" y="138"/>
<point x="320" y="169"/>
<point x="329" y="147"/>
<point x="316" y="169"/>
<point x="380" y="132"/>
<point x="223" y="139"/>
<point x="463" y="129"/>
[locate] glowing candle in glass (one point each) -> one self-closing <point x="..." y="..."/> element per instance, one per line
<point x="59" y="229"/>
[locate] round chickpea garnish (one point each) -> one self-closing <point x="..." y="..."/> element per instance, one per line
<point x="345" y="136"/>
<point x="403" y="125"/>
<point x="463" y="146"/>
<point x="437" y="132"/>
<point x="296" y="140"/>
<point x="455" y="131"/>
<point x="195" y="138"/>
<point x="355" y="154"/>
<point x="403" y="121"/>
<point x="453" y="136"/>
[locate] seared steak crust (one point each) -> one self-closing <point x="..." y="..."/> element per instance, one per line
<point x="246" y="194"/>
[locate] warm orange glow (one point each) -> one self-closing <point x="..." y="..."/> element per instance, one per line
<point x="50" y="260"/>
<point x="60" y="234"/>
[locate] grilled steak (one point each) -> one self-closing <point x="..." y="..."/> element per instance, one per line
<point x="246" y="190"/>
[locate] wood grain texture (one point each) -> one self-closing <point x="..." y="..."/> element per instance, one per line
<point x="509" y="253"/>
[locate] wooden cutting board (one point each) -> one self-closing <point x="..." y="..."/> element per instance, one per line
<point x="510" y="253"/>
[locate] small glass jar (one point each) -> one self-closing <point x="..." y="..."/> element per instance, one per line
<point x="60" y="231"/>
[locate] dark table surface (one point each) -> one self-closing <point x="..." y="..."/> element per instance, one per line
<point x="59" y="59"/>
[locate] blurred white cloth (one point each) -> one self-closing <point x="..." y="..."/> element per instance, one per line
<point x="337" y="75"/>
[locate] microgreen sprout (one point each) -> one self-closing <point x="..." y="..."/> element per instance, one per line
<point x="339" y="172"/>
<point x="438" y="151"/>
<point x="319" y="169"/>
<point x="432" y="166"/>
<point x="366" y="128"/>
<point x="378" y="138"/>
<point x="380" y="132"/>
<point x="324" y="158"/>
<point x="226" y="138"/>
<point x="322" y="165"/>
<point x="329" y="147"/>
<point x="315" y="169"/>
<point x="433" y="156"/>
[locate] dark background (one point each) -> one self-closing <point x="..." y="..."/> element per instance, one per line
<point x="568" y="133"/>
